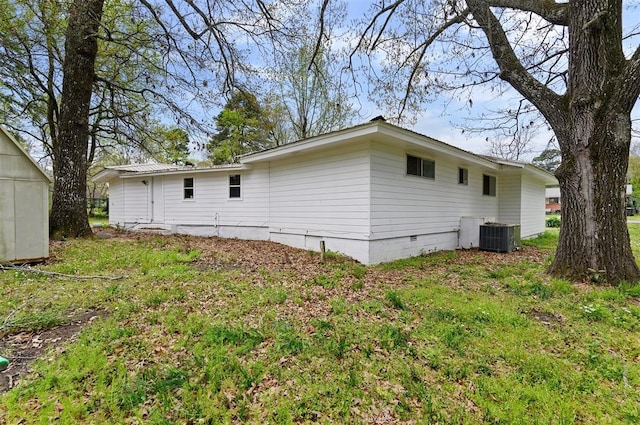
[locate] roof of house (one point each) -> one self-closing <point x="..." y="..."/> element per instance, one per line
<point x="37" y="166"/>
<point x="549" y="178"/>
<point x="141" y="170"/>
<point x="376" y="130"/>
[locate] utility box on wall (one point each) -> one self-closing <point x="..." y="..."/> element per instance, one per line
<point x="469" y="235"/>
<point x="499" y="237"/>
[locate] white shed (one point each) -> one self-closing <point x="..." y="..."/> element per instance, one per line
<point x="24" y="204"/>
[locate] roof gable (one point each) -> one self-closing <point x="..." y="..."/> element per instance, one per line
<point x="381" y="131"/>
<point x="376" y="131"/>
<point x="13" y="157"/>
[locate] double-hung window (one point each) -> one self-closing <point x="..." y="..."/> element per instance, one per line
<point x="188" y="188"/>
<point x="234" y="186"/>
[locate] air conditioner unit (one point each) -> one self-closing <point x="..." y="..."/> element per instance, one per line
<point x="499" y="237"/>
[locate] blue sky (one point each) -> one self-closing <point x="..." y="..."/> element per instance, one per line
<point x="441" y="118"/>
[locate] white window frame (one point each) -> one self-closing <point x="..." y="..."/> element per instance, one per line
<point x="232" y="186"/>
<point x="185" y="188"/>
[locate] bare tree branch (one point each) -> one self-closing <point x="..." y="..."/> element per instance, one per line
<point x="511" y="69"/>
<point x="549" y="10"/>
<point x="318" y="46"/>
<point x="390" y="9"/>
<point x="423" y="49"/>
<point x="630" y="81"/>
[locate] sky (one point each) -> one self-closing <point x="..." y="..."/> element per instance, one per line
<point x="442" y="118"/>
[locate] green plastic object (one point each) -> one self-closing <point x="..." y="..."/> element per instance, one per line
<point x="4" y="363"/>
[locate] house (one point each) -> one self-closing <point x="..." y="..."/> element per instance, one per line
<point x="24" y="204"/>
<point x="375" y="192"/>
<point x="552" y="200"/>
<point x="553" y="203"/>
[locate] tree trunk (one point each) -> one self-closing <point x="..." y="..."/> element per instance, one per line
<point x="594" y="139"/>
<point x="594" y="241"/>
<point x="69" y="209"/>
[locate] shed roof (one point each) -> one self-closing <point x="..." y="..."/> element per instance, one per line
<point x="8" y="136"/>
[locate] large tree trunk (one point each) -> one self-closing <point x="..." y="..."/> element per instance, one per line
<point x="69" y="209"/>
<point x="593" y="126"/>
<point x="594" y="241"/>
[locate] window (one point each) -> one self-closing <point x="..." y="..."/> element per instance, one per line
<point x="463" y="176"/>
<point x="421" y="167"/>
<point x="488" y="185"/>
<point x="234" y="186"/>
<point x="188" y="188"/>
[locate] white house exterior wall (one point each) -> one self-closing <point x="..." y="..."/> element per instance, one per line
<point x="116" y="202"/>
<point x="510" y="197"/>
<point x="532" y="220"/>
<point x="324" y="195"/>
<point x="137" y="200"/>
<point x="211" y="212"/>
<point x="411" y="215"/>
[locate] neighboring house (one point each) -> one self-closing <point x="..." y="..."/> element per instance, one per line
<point x="375" y="192"/>
<point x="552" y="200"/>
<point x="24" y="204"/>
<point x="553" y="203"/>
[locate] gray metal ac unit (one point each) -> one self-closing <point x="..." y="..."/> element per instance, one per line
<point x="499" y="237"/>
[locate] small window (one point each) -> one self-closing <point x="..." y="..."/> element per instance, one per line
<point x="488" y="185"/>
<point x="188" y="188"/>
<point x="234" y="186"/>
<point x="463" y="176"/>
<point x="421" y="167"/>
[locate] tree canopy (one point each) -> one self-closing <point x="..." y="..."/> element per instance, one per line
<point x="242" y="127"/>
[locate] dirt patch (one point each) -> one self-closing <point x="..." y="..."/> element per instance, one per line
<point x="22" y="348"/>
<point x="547" y="318"/>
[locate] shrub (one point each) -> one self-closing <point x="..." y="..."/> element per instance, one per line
<point x="553" y="222"/>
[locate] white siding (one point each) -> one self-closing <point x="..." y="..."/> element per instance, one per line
<point x="211" y="205"/>
<point x="24" y="206"/>
<point x="510" y="198"/>
<point x="7" y="220"/>
<point x="403" y="205"/>
<point x="533" y="213"/>
<point x="324" y="194"/>
<point x="14" y="165"/>
<point x="355" y="197"/>
<point x="116" y="202"/>
<point x="522" y="202"/>
<point x="137" y="200"/>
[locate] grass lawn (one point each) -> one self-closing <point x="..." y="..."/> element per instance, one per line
<point x="226" y="331"/>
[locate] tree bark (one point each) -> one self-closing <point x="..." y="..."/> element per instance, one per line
<point x="592" y="122"/>
<point x="594" y="241"/>
<point x="68" y="216"/>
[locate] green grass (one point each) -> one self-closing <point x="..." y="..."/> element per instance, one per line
<point x="452" y="337"/>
